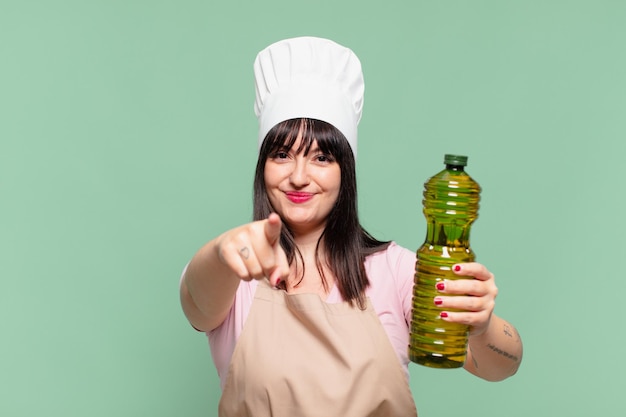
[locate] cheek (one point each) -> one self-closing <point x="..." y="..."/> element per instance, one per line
<point x="267" y="175"/>
<point x="271" y="175"/>
<point x="333" y="180"/>
<point x="332" y="185"/>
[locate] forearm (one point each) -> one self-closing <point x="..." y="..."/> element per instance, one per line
<point x="495" y="354"/>
<point x="207" y="289"/>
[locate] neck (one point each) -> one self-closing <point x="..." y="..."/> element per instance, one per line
<point x="307" y="241"/>
<point x="307" y="278"/>
<point x="311" y="280"/>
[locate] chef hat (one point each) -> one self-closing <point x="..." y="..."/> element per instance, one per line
<point x="309" y="77"/>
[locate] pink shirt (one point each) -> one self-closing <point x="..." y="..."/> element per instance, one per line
<point x="391" y="282"/>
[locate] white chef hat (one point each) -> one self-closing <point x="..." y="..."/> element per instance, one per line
<point x="309" y="77"/>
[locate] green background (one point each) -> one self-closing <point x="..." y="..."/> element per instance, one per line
<point x="128" y="139"/>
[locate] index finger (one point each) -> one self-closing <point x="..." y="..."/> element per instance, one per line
<point x="473" y="269"/>
<point x="273" y="226"/>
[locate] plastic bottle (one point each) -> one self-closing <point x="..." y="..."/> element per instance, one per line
<point x="450" y="206"/>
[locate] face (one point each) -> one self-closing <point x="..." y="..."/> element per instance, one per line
<point x="302" y="188"/>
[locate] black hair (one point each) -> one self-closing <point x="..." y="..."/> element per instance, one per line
<point x="346" y="243"/>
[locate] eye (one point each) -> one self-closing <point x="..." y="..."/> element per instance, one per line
<point x="324" y="158"/>
<point x="280" y="155"/>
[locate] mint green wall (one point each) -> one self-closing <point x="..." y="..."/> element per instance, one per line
<point x="127" y="140"/>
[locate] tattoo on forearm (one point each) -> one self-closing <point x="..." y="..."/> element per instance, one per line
<point x="502" y="352"/>
<point x="511" y="332"/>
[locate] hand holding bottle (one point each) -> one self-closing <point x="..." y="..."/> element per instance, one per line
<point x="473" y="300"/>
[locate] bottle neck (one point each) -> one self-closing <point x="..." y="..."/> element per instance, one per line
<point x="450" y="207"/>
<point x="457" y="168"/>
<point x="449" y="225"/>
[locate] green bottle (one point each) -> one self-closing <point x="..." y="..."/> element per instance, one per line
<point x="450" y="206"/>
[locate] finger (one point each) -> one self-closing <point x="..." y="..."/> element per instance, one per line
<point x="473" y="269"/>
<point x="463" y="287"/>
<point x="464" y="303"/>
<point x="476" y="320"/>
<point x="281" y="269"/>
<point x="240" y="260"/>
<point x="273" y="224"/>
<point x="253" y="267"/>
<point x="269" y="258"/>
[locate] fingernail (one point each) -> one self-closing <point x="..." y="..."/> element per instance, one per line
<point x="457" y="268"/>
<point x="438" y="301"/>
<point x="277" y="282"/>
<point x="443" y="314"/>
<point x="441" y="286"/>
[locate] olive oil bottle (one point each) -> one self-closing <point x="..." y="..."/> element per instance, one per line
<point x="450" y="203"/>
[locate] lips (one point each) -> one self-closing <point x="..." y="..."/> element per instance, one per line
<point x="298" y="197"/>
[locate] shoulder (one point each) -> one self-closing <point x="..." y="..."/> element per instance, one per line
<point x="393" y="267"/>
<point x="393" y="258"/>
<point x="391" y="274"/>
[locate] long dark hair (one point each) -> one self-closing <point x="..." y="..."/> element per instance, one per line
<point x="345" y="241"/>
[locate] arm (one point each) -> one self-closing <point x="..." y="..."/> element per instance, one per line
<point x="207" y="290"/>
<point x="495" y="347"/>
<point x="495" y="354"/>
<point x="209" y="283"/>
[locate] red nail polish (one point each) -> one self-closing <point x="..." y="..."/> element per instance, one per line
<point x="457" y="268"/>
<point x="441" y="286"/>
<point x="443" y="314"/>
<point x="438" y="301"/>
<point x="277" y="282"/>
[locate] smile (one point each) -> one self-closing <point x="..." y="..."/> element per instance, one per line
<point x="298" y="197"/>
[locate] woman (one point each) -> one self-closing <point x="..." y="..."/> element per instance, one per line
<point x="306" y="313"/>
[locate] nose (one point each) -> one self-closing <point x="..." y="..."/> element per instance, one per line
<point x="299" y="176"/>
